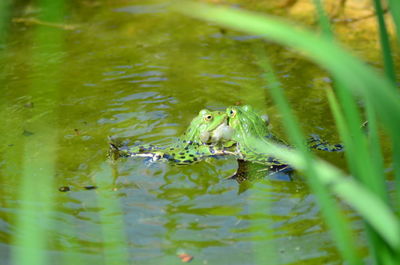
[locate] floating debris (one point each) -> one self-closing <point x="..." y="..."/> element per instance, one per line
<point x="27" y="133"/>
<point x="67" y="188"/>
<point x="64" y="189"/>
<point x="32" y="21"/>
<point x="90" y="187"/>
<point x="185" y="257"/>
<point x="29" y="105"/>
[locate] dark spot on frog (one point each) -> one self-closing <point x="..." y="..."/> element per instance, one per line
<point x="166" y="156"/>
<point x="187" y="161"/>
<point x="195" y="159"/>
<point x="191" y="155"/>
<point x="181" y="153"/>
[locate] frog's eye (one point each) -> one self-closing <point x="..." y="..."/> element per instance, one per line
<point x="232" y="113"/>
<point x="208" y="117"/>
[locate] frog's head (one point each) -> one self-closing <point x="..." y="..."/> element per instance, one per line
<point x="246" y="122"/>
<point x="208" y="127"/>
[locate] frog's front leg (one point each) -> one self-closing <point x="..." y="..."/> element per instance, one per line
<point x="151" y="151"/>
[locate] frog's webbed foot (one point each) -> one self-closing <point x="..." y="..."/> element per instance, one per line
<point x="121" y="149"/>
<point x="242" y="171"/>
<point x="116" y="149"/>
<point x="113" y="152"/>
<point x="315" y="142"/>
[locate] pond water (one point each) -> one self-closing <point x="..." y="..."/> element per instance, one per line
<point x="135" y="70"/>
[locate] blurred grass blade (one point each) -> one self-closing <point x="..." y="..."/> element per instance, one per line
<point x="5" y="9"/>
<point x="396" y="168"/>
<point x="376" y="184"/>
<point x="323" y="19"/>
<point x="385" y="43"/>
<point x="259" y="203"/>
<point x="357" y="142"/>
<point x="113" y="226"/>
<point x="394" y="7"/>
<point x="341" y="231"/>
<point x="35" y="217"/>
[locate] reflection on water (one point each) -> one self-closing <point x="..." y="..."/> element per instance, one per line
<point x="142" y="73"/>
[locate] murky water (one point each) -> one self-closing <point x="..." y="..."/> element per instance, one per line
<point x="135" y="70"/>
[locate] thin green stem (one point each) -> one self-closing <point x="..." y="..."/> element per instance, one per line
<point x="385" y="42"/>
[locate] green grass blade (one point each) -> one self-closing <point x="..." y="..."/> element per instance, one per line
<point x="115" y="244"/>
<point x="5" y="8"/>
<point x="394" y="7"/>
<point x="356" y="141"/>
<point x="262" y="253"/>
<point x="37" y="188"/>
<point x="323" y="19"/>
<point x="378" y="184"/>
<point x="396" y="168"/>
<point x="385" y="43"/>
<point x="375" y="184"/>
<point x="357" y="145"/>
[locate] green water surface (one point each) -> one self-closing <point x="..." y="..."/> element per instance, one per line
<point x="137" y="71"/>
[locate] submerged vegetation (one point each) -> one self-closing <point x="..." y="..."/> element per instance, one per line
<point x="364" y="101"/>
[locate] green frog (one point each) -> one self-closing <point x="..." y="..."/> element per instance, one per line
<point x="248" y="126"/>
<point x="205" y="137"/>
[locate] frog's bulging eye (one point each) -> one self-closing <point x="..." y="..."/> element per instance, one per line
<point x="232" y="113"/>
<point x="208" y="117"/>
